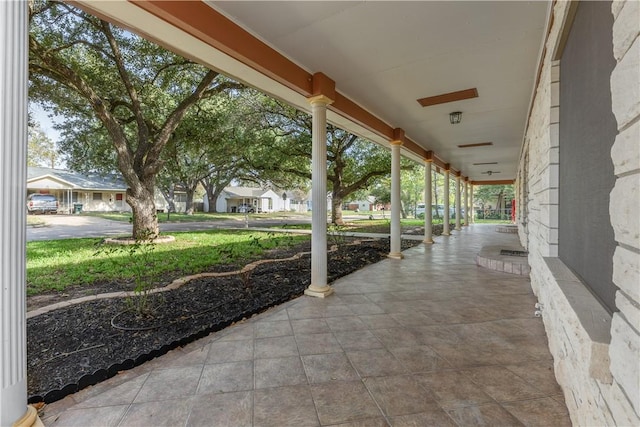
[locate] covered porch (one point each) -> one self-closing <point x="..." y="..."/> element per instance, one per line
<point x="432" y="339"/>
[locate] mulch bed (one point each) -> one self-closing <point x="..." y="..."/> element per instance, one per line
<point x="77" y="346"/>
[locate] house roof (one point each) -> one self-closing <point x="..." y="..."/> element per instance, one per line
<point x="75" y="180"/>
<point x="246" y="192"/>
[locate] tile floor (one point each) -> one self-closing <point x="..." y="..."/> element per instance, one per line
<point x="428" y="340"/>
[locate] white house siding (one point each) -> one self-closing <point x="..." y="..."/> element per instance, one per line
<point x="596" y="355"/>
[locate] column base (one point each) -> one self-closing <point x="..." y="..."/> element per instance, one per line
<point x="395" y="255"/>
<point x="446" y="233"/>
<point x="29" y="419"/>
<point x="428" y="241"/>
<point x="318" y="291"/>
<point x="458" y="228"/>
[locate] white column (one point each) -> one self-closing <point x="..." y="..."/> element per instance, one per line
<point x="395" y="250"/>
<point x="428" y="191"/>
<point x="318" y="286"/>
<point x="458" y="207"/>
<point x="473" y="213"/>
<point x="466" y="203"/>
<point x="13" y="175"/>
<point x="445" y="196"/>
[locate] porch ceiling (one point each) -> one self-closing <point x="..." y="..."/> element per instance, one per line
<point x="383" y="56"/>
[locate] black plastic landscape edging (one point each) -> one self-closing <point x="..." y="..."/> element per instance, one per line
<point x="104" y="374"/>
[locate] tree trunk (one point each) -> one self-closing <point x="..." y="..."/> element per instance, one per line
<point x="336" y="210"/>
<point x="145" y="218"/>
<point x="189" y="201"/>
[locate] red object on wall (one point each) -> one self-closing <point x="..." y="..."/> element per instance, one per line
<point x="513" y="211"/>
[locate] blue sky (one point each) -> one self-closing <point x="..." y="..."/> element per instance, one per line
<point x="41" y="116"/>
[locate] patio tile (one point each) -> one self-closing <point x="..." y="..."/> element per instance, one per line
<point x="358" y="340"/>
<point x="322" y="368"/>
<point x="273" y="329"/>
<point x="167" y="413"/>
<point x="226" y="377"/>
<point x="540" y="412"/>
<point x="375" y="362"/>
<point x="340" y="402"/>
<point x="453" y="389"/>
<point x="366" y="308"/>
<point x="309" y="326"/>
<point x="485" y="415"/>
<point x="502" y="384"/>
<point x="317" y="344"/>
<point x="539" y="374"/>
<point x="347" y="323"/>
<point x="222" y="409"/>
<point x="230" y="351"/>
<point x="435" y="417"/>
<point x="419" y="358"/>
<point x="379" y="321"/>
<point x="179" y="357"/>
<point x="284" y="406"/>
<point x="106" y="416"/>
<point x="400" y="395"/>
<point x="170" y="384"/>
<point x="266" y="348"/>
<point x="279" y="372"/>
<point x="396" y="337"/>
<point x="119" y="395"/>
<point x="238" y="332"/>
<point x="368" y="422"/>
<point x="409" y="319"/>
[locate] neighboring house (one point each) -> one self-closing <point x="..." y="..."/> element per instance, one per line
<point x="362" y="205"/>
<point x="237" y="199"/>
<point x="95" y="192"/>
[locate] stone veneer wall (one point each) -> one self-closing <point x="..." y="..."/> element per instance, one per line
<point x="596" y="355"/>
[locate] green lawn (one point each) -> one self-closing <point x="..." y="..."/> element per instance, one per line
<point x="58" y="264"/>
<point x="196" y="217"/>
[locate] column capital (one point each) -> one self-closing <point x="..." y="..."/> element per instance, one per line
<point x="319" y="100"/>
<point x="447" y="167"/>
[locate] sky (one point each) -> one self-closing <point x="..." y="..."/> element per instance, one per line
<point x="41" y="117"/>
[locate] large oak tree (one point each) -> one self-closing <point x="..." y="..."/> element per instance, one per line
<point x="122" y="97"/>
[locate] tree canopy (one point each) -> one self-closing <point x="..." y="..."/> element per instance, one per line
<point x="121" y="97"/>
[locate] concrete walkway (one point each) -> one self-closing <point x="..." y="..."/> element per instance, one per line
<point x="428" y="340"/>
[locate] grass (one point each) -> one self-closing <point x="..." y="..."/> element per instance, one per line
<point x="34" y="221"/>
<point x="55" y="265"/>
<point x="196" y="217"/>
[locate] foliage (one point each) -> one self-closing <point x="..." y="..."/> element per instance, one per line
<point x="141" y="262"/>
<point x="121" y="97"/>
<point x="41" y="150"/>
<point x="493" y="195"/>
<point x="352" y="162"/>
<point x="55" y="265"/>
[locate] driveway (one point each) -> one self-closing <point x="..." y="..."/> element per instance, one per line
<point x="75" y="226"/>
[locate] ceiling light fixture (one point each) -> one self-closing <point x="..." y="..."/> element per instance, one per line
<point x="455" y="117"/>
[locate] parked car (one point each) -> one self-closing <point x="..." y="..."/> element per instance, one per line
<point x="245" y="208"/>
<point x="42" y="203"/>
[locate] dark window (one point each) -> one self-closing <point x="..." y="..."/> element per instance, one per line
<point x="97" y="196"/>
<point x="119" y="197"/>
<point x="587" y="132"/>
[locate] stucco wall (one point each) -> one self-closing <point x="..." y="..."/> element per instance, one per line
<point x="596" y="355"/>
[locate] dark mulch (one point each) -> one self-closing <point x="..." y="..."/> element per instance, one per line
<point x="74" y="347"/>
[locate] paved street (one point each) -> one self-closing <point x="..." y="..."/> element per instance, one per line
<point x="70" y="226"/>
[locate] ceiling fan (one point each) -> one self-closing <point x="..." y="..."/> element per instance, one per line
<point x="490" y="172"/>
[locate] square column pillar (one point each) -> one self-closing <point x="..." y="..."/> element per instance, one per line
<point x="466" y="201"/>
<point x="445" y="220"/>
<point x="458" y="207"/>
<point x="319" y="286"/>
<point x="396" y="249"/>
<point x="428" y="191"/>
<point x="13" y="177"/>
